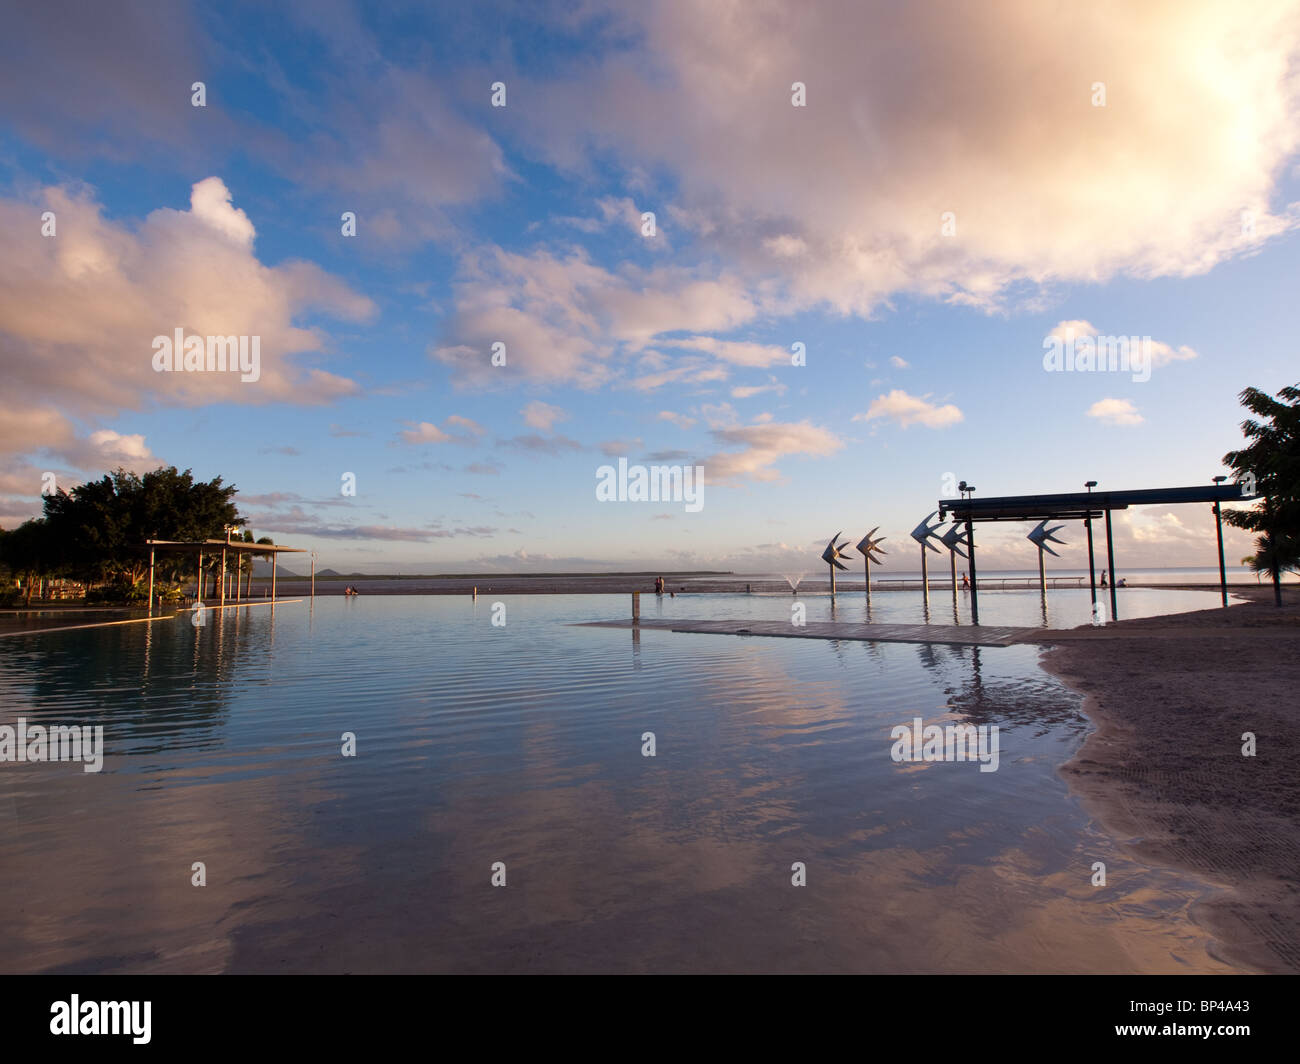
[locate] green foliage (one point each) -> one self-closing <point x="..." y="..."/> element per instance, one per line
<point x="97" y="531"/>
<point x="1272" y="457"/>
<point x="28" y="554"/>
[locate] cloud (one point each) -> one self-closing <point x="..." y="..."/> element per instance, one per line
<point x="1161" y="353"/>
<point x="897" y="362"/>
<point x="616" y="448"/>
<point x="736" y="352"/>
<point x="563" y="318"/>
<point x="539" y="415"/>
<point x="423" y="432"/>
<point x="427" y="432"/>
<point x="762" y="446"/>
<point x="79" y="310"/>
<point x="542" y="444"/>
<point x="904" y="409"/>
<point x="472" y="427"/>
<point x="210" y="203"/>
<point x="932" y="113"/>
<point x="749" y="391"/>
<point x="1115" y="412"/>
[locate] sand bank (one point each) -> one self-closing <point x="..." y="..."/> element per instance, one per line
<point x="1172" y="697"/>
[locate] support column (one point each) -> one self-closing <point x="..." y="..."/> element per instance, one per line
<point x="1223" y="573"/>
<point x="974" y="577"/>
<point x="198" y="583"/>
<point x="1092" y="569"/>
<point x="223" y="576"/>
<point x="151" y="581"/>
<point x="1110" y="564"/>
<point x="273" y="569"/>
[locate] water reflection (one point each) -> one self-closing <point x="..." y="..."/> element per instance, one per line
<point x="524" y="744"/>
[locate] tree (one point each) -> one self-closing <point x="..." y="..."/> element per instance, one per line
<point x="98" y="529"/>
<point x="26" y="552"/>
<point x="248" y="538"/>
<point x="1272" y="461"/>
<point x="1249" y="562"/>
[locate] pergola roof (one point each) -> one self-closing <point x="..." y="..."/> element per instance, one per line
<point x="1081" y="504"/>
<point x="208" y="546"/>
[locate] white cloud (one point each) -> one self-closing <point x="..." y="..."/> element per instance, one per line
<point x="763" y="445"/>
<point x="210" y="203"/>
<point x="907" y="410"/>
<point x="911" y="115"/>
<point x="1115" y="412"/>
<point x="79" y="311"/>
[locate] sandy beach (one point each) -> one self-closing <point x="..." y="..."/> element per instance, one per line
<point x="1172" y="697"/>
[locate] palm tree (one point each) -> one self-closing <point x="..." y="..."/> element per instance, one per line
<point x="1249" y="562"/>
<point x="245" y="563"/>
<point x="1270" y="464"/>
<point x="248" y="538"/>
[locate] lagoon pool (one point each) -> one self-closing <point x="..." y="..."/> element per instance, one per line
<point x="519" y="747"/>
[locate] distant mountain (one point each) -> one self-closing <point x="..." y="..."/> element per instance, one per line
<point x="327" y="572"/>
<point x="262" y="570"/>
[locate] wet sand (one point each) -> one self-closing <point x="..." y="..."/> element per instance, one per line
<point x="1164" y="771"/>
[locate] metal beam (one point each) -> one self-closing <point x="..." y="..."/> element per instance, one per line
<point x="1078" y="505"/>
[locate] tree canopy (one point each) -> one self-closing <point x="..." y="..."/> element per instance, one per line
<point x="1272" y="460"/>
<point x="97" y="530"/>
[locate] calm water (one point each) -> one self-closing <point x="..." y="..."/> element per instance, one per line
<point x="522" y="744"/>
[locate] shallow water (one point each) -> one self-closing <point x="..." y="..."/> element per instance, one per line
<point x="522" y="744"/>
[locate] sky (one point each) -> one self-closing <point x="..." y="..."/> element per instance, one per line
<point x="815" y="253"/>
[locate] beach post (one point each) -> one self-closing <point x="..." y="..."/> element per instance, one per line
<point x="1218" y="528"/>
<point x="1110" y="563"/>
<point x="636" y="605"/>
<point x="974" y="579"/>
<point x="1092" y="570"/>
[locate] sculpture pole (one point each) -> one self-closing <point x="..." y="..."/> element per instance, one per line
<point x="832" y="555"/>
<point x="922" y="533"/>
<point x="866" y="545"/>
<point x="1040" y="536"/>
<point x="954" y="539"/>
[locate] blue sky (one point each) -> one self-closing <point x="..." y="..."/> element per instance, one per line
<point x="1165" y="207"/>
